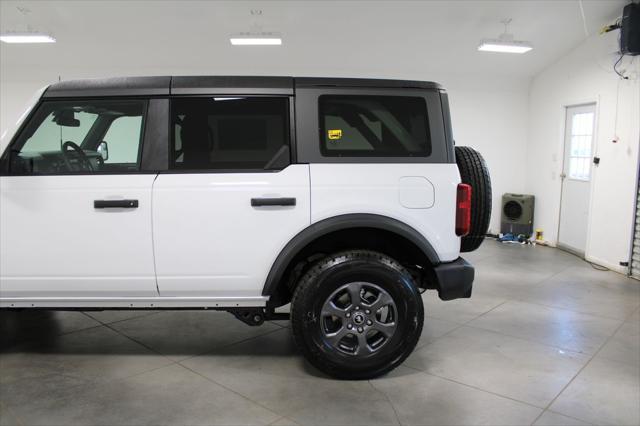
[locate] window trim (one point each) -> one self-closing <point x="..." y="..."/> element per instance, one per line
<point x="367" y="154"/>
<point x="307" y="124"/>
<point x="290" y="127"/>
<point x="155" y="146"/>
<point x="5" y="161"/>
<point x="589" y="157"/>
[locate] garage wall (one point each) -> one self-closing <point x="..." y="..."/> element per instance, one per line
<point x="493" y="121"/>
<point x="586" y="75"/>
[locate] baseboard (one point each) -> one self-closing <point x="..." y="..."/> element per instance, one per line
<point x="592" y="259"/>
<point x="612" y="266"/>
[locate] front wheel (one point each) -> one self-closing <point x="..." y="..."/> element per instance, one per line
<point x="357" y="314"/>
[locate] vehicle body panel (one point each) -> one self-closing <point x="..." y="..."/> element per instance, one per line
<point x="53" y="242"/>
<point x="338" y="189"/>
<point x="209" y="239"/>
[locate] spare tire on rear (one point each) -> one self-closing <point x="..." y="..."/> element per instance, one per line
<point x="474" y="172"/>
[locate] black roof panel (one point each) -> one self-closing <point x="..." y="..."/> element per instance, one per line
<point x="190" y="85"/>
<point x="119" y="86"/>
<point x="237" y="85"/>
<point x="364" y="82"/>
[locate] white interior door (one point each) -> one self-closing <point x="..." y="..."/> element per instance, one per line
<point x="576" y="177"/>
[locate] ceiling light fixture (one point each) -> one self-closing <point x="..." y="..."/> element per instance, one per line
<point x="505" y="42"/>
<point x="26" y="37"/>
<point x="256" y="39"/>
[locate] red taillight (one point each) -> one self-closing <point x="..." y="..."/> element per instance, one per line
<point x="463" y="209"/>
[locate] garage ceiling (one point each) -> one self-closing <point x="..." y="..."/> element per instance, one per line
<point x="399" y="39"/>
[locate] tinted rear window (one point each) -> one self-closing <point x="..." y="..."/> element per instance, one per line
<point x="374" y="126"/>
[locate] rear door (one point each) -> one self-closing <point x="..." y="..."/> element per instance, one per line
<point x="75" y="221"/>
<point x="231" y="198"/>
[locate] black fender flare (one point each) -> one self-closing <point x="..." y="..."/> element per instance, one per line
<point x="337" y="223"/>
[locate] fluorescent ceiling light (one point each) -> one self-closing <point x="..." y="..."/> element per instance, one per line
<point x="256" y="38"/>
<point x="256" y="41"/>
<point x="505" y="42"/>
<point x="26" y="38"/>
<point x="504" y="46"/>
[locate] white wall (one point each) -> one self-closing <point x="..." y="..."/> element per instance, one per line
<point x="494" y="121"/>
<point x="586" y="75"/>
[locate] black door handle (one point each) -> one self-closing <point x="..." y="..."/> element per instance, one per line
<point x="115" y="204"/>
<point x="282" y="201"/>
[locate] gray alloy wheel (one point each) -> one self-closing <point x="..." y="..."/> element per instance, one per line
<point x="356" y="314"/>
<point x="358" y="319"/>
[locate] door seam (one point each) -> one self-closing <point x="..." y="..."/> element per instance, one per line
<point x="153" y="242"/>
<point x="310" y="197"/>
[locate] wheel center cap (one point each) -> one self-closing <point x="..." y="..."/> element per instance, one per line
<point x="358" y="318"/>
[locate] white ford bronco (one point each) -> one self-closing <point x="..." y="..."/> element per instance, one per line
<point x="344" y="197"/>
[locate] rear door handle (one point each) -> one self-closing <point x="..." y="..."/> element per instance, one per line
<point x="281" y="201"/>
<point x="115" y="204"/>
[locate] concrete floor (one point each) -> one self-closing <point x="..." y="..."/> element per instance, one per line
<point x="545" y="340"/>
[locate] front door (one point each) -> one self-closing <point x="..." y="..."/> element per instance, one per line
<point x="75" y="214"/>
<point x="576" y="177"/>
<point x="230" y="200"/>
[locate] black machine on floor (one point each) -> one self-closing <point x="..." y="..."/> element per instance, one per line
<point x="517" y="214"/>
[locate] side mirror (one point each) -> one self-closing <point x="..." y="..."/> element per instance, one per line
<point x="103" y="150"/>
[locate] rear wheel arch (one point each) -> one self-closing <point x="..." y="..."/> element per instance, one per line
<point x="345" y="232"/>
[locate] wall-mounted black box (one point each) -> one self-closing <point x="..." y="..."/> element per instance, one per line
<point x="630" y="30"/>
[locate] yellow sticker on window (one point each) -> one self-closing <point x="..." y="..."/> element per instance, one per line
<point x="335" y="134"/>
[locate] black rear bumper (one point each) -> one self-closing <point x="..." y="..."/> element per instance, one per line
<point x="453" y="280"/>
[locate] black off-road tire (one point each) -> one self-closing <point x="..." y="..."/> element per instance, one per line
<point x="474" y="172"/>
<point x="331" y="274"/>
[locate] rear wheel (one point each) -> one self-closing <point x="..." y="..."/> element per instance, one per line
<point x="356" y="315"/>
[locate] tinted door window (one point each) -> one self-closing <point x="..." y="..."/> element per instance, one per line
<point x="122" y="140"/>
<point x="230" y="133"/>
<point x="80" y="137"/>
<point x="374" y="126"/>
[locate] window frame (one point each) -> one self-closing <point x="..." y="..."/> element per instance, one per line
<point x="307" y="125"/>
<point x="5" y="159"/>
<point x="369" y="153"/>
<point x="289" y="126"/>
<point x="588" y="158"/>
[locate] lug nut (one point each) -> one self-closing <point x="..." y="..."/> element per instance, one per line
<point x="348" y="315"/>
<point x="349" y="326"/>
<point x="369" y="322"/>
<point x="367" y="312"/>
<point x="360" y="329"/>
<point x="357" y="308"/>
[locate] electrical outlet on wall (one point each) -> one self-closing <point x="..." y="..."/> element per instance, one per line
<point x="633" y="75"/>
